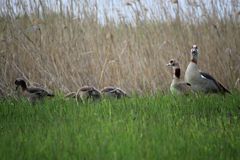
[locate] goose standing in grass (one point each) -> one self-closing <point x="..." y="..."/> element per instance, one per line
<point x="113" y="92"/>
<point x="85" y="93"/>
<point x="33" y="94"/>
<point x="177" y="86"/>
<point x="200" y="81"/>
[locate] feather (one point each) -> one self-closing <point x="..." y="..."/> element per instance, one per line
<point x="218" y="84"/>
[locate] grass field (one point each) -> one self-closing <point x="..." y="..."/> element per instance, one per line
<point x="150" y="127"/>
<point x="63" y="45"/>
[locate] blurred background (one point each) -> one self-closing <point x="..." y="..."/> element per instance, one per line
<point x="65" y="44"/>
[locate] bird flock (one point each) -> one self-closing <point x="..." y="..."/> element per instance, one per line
<point x="194" y="81"/>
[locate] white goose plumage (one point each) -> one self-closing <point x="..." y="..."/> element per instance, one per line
<point x="200" y="81"/>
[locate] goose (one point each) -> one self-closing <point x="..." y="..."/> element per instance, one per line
<point x="201" y="81"/>
<point x="85" y="93"/>
<point x="177" y="86"/>
<point x="32" y="93"/>
<point x="113" y="92"/>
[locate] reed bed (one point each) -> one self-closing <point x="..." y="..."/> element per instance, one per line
<point x="65" y="45"/>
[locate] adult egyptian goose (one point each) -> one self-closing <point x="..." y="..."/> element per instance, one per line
<point x="85" y="93"/>
<point x="177" y="86"/>
<point x="32" y="93"/>
<point x="200" y="81"/>
<point x="113" y="92"/>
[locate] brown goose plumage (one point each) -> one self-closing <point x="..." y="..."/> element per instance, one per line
<point x="113" y="92"/>
<point x="32" y="93"/>
<point x="85" y="93"/>
<point x="177" y="86"/>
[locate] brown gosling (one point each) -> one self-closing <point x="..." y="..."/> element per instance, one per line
<point x="113" y="92"/>
<point x="33" y="94"/>
<point x="85" y="93"/>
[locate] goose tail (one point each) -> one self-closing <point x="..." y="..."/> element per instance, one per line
<point x="223" y="89"/>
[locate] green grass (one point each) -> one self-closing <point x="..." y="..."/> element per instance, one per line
<point x="153" y="127"/>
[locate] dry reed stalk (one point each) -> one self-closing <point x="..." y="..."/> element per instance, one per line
<point x="66" y="49"/>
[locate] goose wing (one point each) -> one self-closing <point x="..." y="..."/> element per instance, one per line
<point x="183" y="87"/>
<point x="39" y="91"/>
<point x="218" y="84"/>
<point x="86" y="88"/>
<point x="114" y="91"/>
<point x="108" y="89"/>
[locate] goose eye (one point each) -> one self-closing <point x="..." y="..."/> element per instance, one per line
<point x="171" y="61"/>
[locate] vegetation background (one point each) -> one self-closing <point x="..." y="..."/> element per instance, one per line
<point x="63" y="45"/>
<point x="67" y="44"/>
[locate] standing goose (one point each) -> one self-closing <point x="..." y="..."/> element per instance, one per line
<point x="177" y="86"/>
<point x="200" y="81"/>
<point x="113" y="92"/>
<point x="32" y="93"/>
<point x="85" y="93"/>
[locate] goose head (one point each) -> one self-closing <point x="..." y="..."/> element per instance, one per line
<point x="176" y="68"/>
<point x="21" y="82"/>
<point x="173" y="63"/>
<point x="194" y="53"/>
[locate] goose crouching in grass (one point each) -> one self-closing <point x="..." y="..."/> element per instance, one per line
<point x="200" y="81"/>
<point x="33" y="94"/>
<point x="177" y="86"/>
<point x="85" y="93"/>
<point x="113" y="92"/>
